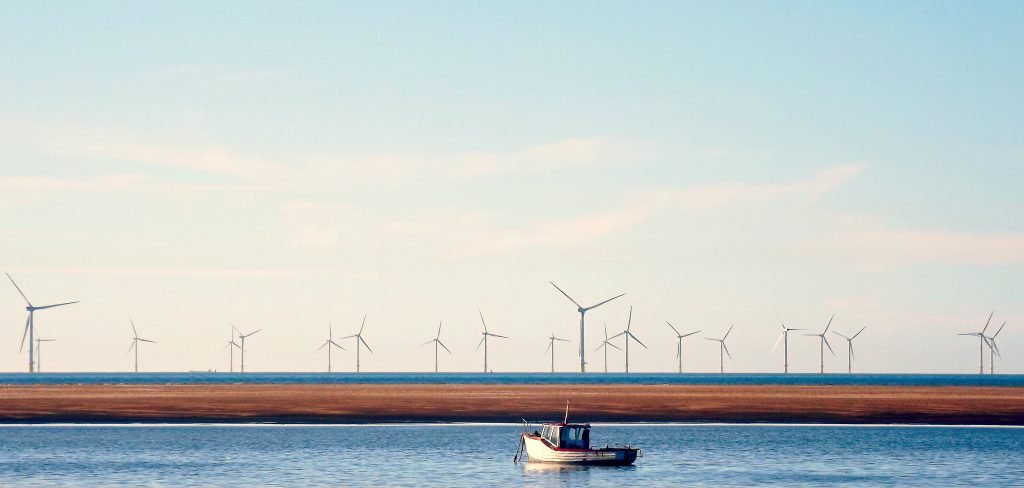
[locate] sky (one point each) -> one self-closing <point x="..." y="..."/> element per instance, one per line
<point x="290" y="166"/>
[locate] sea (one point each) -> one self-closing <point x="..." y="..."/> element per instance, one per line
<point x="482" y="455"/>
<point x="198" y="378"/>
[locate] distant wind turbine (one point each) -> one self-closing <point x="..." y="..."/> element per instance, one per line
<point x="242" y="338"/>
<point x="993" y="349"/>
<point x="722" y="349"/>
<point x="231" y="346"/>
<point x="605" y="345"/>
<point x="627" y="336"/>
<point x="437" y="342"/>
<point x="679" y="345"/>
<point x="824" y="342"/>
<point x="981" y="343"/>
<point x="551" y="347"/>
<point x="583" y="311"/>
<point x="135" y="344"/>
<point x="849" y="348"/>
<point x="329" y="343"/>
<point x="483" y="340"/>
<point x="784" y="337"/>
<point x="30" y="325"/>
<point x="359" y="339"/>
<point x="39" y="353"/>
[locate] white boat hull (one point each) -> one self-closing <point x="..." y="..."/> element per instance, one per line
<point x="540" y="452"/>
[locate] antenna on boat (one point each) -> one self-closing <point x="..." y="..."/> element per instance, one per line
<point x="566" y="420"/>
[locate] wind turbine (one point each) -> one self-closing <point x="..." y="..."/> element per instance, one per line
<point x="359" y="338"/>
<point x="483" y="340"/>
<point x="39" y="353"/>
<point x="605" y="345"/>
<point x="232" y="345"/>
<point x="824" y="342"/>
<point x="784" y="337"/>
<point x="628" y="335"/>
<point x="981" y="343"/>
<point x="551" y="346"/>
<point x="679" y="346"/>
<point x="993" y="349"/>
<point x="722" y="348"/>
<point x="437" y="342"/>
<point x="30" y="325"/>
<point x="328" y="343"/>
<point x="849" y="348"/>
<point x="135" y="344"/>
<point x="583" y="311"/>
<point x="242" y="337"/>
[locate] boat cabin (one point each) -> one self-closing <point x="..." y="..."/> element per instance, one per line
<point x="567" y="436"/>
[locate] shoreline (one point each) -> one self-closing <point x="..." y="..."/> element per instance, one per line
<point x="364" y="404"/>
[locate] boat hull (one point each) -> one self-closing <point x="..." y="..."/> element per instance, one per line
<point x="540" y="452"/>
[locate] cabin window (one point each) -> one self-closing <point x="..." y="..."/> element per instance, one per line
<point x="551" y="435"/>
<point x="575" y="437"/>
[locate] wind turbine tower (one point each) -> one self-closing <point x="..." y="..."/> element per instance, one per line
<point x="437" y="342"/>
<point x="784" y="337"/>
<point x="30" y="326"/>
<point x="359" y="339"/>
<point x="483" y="340"/>
<point x="849" y="348"/>
<point x="242" y="337"/>
<point x="232" y="345"/>
<point x="135" y="344"/>
<point x="722" y="349"/>
<point x="605" y="345"/>
<point x="551" y="347"/>
<point x="824" y="342"/>
<point x="583" y="311"/>
<point x="981" y="343"/>
<point x="993" y="349"/>
<point x="329" y="343"/>
<point x="628" y="335"/>
<point x="679" y="345"/>
<point x="39" y="353"/>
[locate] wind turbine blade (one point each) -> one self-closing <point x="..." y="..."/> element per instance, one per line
<point x="969" y="333"/>
<point x="18" y="288"/>
<point x="24" y="334"/>
<point x="438" y="329"/>
<point x="690" y="334"/>
<point x="811" y="335"/>
<point x="482" y="339"/>
<point x="844" y="337"/>
<point x="999" y="330"/>
<point x="429" y="342"/>
<point x="827" y="344"/>
<point x="235" y="328"/>
<point x="599" y="347"/>
<point x="497" y="335"/>
<point x="147" y="340"/>
<point x="130" y="347"/>
<point x="779" y="340"/>
<point x="858" y="333"/>
<point x="134" y="332"/>
<point x="253" y="332"/>
<point x="829" y="323"/>
<point x="712" y="339"/>
<point x="673" y="328"/>
<point x="614" y="346"/>
<point x="635" y="339"/>
<point x="987" y="321"/>
<point x="482" y="321"/>
<point x="606" y="301"/>
<point x="444" y="346"/>
<point x="546" y="349"/>
<point x="365" y="344"/>
<point x="629" y="321"/>
<point x="363" y="324"/>
<point x="726" y="350"/>
<point x="566" y="295"/>
<point x="728" y="331"/>
<point x="616" y="335"/>
<point x="852" y="355"/>
<point x="56" y="305"/>
<point x="348" y="337"/>
<point x="323" y="345"/>
<point x="562" y="340"/>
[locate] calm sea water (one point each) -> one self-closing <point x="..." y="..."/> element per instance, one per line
<point x="481" y="455"/>
<point x="518" y="378"/>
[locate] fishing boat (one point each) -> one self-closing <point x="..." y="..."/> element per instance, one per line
<point x="566" y="443"/>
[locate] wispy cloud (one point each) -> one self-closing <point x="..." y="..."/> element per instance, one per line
<point x="168" y="271"/>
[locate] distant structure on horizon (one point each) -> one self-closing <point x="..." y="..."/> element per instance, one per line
<point x="437" y="342"/>
<point x="981" y="343"/>
<point x="583" y="311"/>
<point x="483" y="340"/>
<point x="823" y="341"/>
<point x="39" y="353"/>
<point x="722" y="349"/>
<point x="242" y="337"/>
<point x="679" y="345"/>
<point x="135" y="344"/>
<point x="359" y="339"/>
<point x="627" y="335"/>
<point x="329" y="343"/>
<point x="849" y="348"/>
<point x="551" y="347"/>
<point x="30" y="326"/>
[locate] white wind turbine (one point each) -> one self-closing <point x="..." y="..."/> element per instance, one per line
<point x="824" y="342"/>
<point x="39" y="353"/>
<point x="483" y="340"/>
<point x="981" y="343"/>
<point x="437" y="342"/>
<point x="359" y="339"/>
<point x="242" y="338"/>
<point x="328" y="343"/>
<point x="993" y="349"/>
<point x="135" y="344"/>
<point x="628" y="335"/>
<point x="583" y="311"/>
<point x="784" y="337"/>
<point x="232" y="345"/>
<point x="679" y="345"/>
<point x="849" y="348"/>
<point x="30" y="325"/>
<point x="722" y="349"/>
<point x="551" y="347"/>
<point x="605" y="345"/>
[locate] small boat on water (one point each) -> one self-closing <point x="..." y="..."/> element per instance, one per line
<point x="565" y="443"/>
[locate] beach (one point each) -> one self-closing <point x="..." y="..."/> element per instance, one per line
<point x="384" y="403"/>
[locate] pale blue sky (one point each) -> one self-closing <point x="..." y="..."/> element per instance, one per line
<point x="280" y="165"/>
